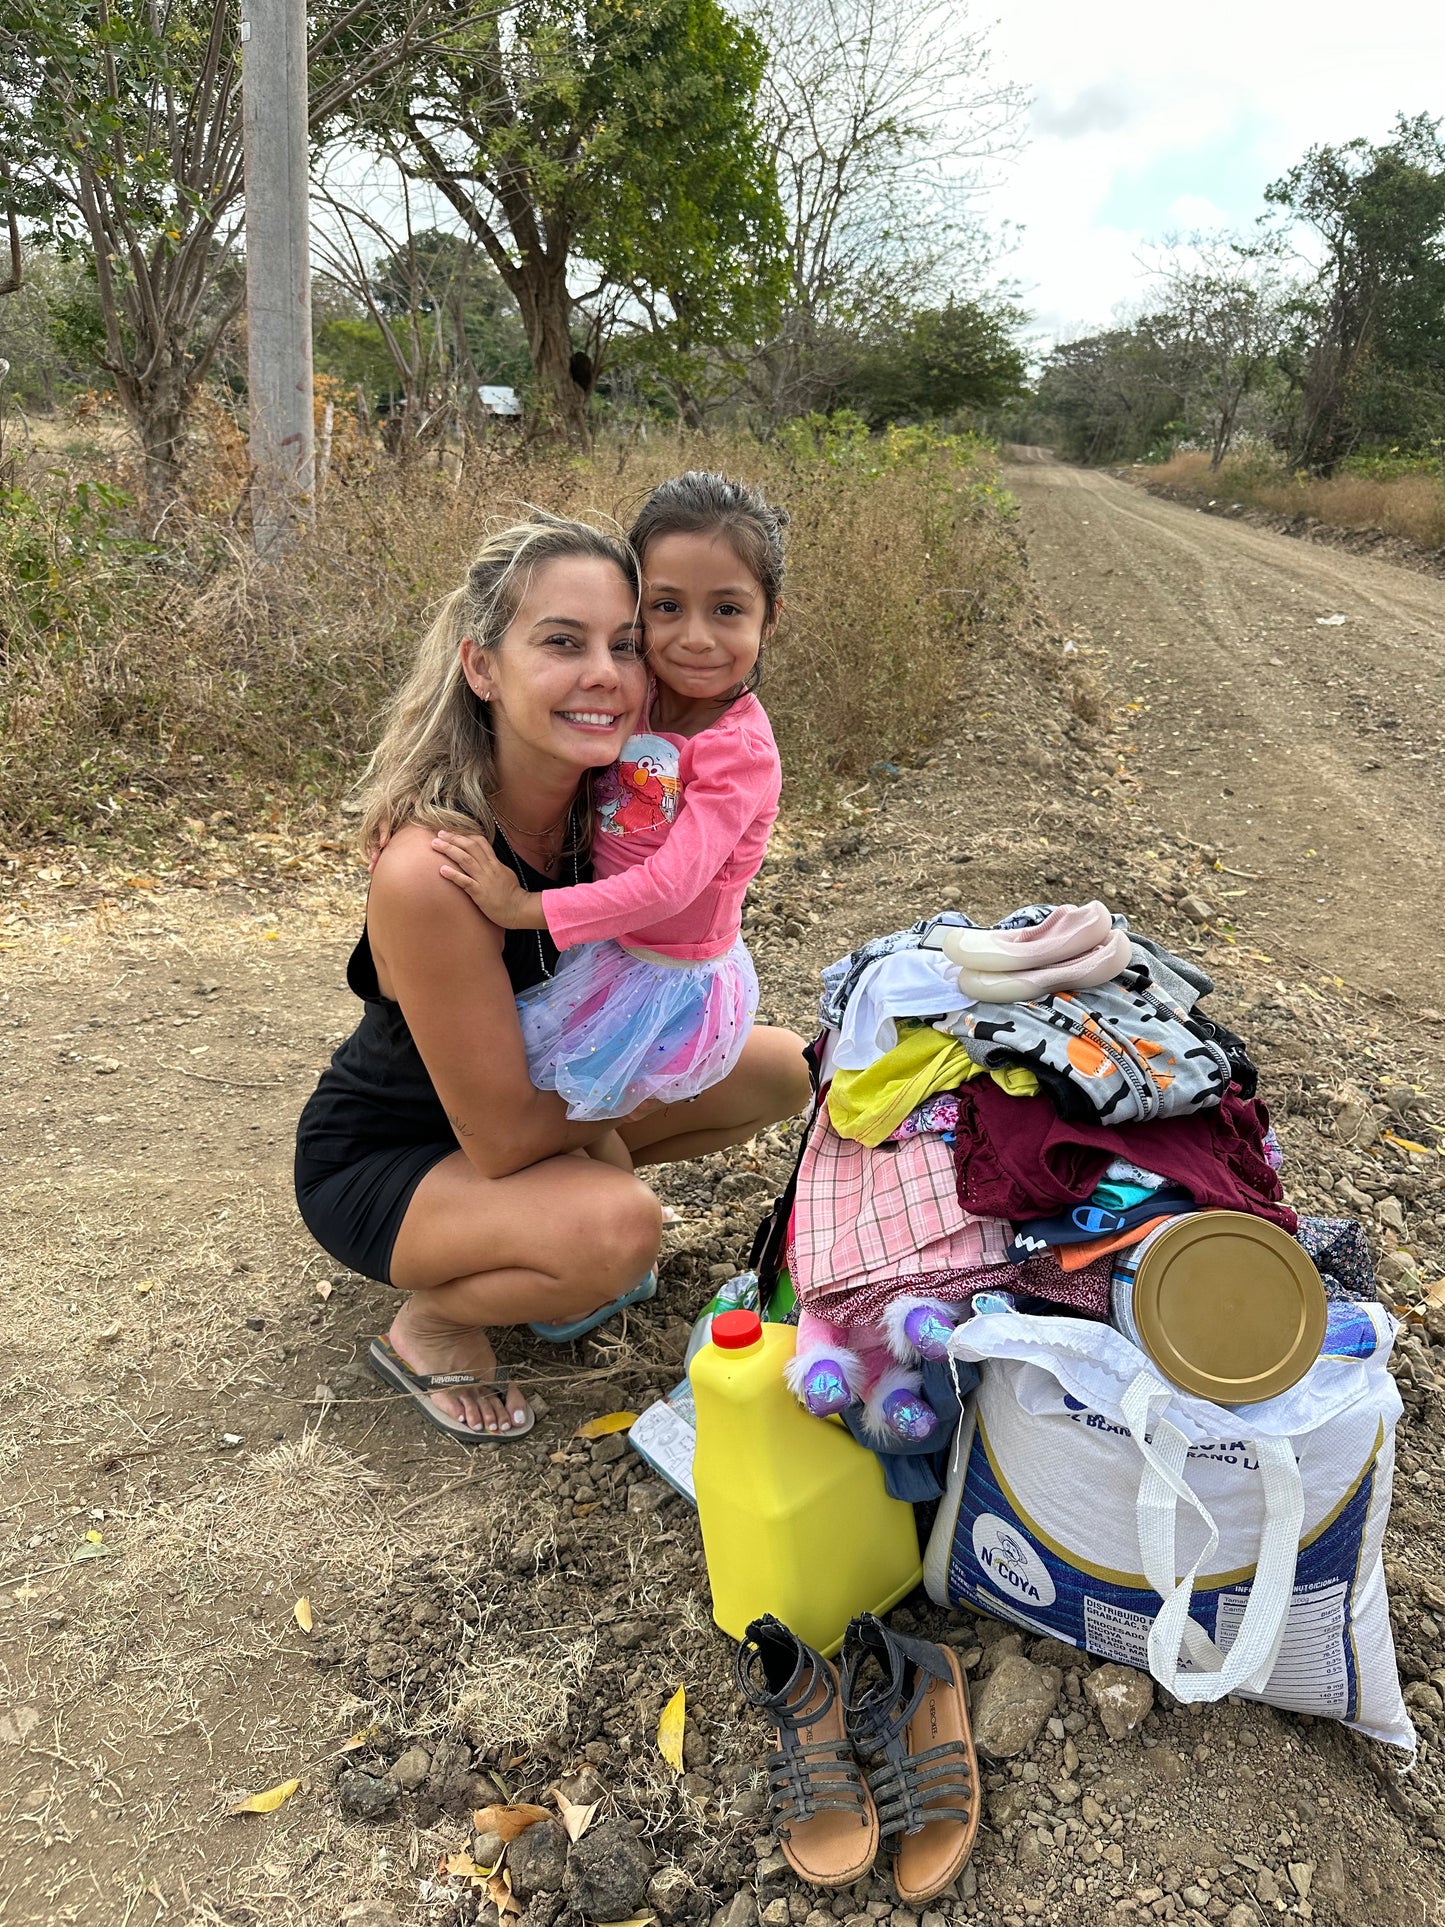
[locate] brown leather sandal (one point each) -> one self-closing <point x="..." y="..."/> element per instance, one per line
<point x="826" y="1821"/>
<point x="911" y="1721"/>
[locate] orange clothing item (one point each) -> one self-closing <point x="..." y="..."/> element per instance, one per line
<point x="1075" y="1257"/>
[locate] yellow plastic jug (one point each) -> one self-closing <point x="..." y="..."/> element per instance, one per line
<point x="796" y="1519"/>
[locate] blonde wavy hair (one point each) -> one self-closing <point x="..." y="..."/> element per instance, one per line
<point x="436" y="762"/>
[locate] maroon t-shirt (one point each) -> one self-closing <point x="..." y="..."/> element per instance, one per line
<point x="1017" y="1158"/>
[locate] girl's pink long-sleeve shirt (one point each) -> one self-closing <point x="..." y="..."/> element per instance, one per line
<point x="683" y="823"/>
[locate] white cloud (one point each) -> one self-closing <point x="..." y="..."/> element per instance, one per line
<point x="1098" y="109"/>
<point x="1196" y="213"/>
<point x="1149" y="118"/>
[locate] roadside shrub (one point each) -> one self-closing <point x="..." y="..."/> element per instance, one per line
<point x="1402" y="496"/>
<point x="148" y="673"/>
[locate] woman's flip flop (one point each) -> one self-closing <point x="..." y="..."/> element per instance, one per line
<point x="576" y="1327"/>
<point x="388" y="1364"/>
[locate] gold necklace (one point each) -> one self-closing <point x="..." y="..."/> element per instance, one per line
<point x="542" y="836"/>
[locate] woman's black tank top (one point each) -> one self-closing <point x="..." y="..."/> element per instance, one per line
<point x="376" y="1092"/>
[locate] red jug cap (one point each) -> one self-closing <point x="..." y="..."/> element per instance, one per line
<point x="734" y="1331"/>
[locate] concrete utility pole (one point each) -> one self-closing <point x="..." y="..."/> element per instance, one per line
<point x="278" y="269"/>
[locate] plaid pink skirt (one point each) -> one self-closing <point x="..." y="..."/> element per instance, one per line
<point x="869" y="1224"/>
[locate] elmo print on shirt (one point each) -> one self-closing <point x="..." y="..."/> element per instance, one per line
<point x="640" y="791"/>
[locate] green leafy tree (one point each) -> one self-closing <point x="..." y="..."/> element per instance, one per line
<point x="1114" y="396"/>
<point x="50" y="330"/>
<point x="938" y="361"/>
<point x="610" y="143"/>
<point x="447" y="277"/>
<point x="1368" y="357"/>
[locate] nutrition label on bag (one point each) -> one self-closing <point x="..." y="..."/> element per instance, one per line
<point x="1311" y="1673"/>
<point x="1113" y="1632"/>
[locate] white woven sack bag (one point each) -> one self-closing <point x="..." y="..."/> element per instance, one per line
<point x="1223" y="1551"/>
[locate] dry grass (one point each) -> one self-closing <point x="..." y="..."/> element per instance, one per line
<point x="1411" y="506"/>
<point x="155" y="672"/>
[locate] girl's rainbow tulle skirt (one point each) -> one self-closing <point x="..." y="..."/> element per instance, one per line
<point x="611" y="1030"/>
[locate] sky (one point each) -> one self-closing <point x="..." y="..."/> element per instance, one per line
<point x="1159" y="118"/>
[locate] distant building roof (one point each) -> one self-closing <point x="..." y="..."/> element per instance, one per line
<point x="499" y="401"/>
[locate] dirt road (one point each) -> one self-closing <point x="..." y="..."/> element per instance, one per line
<point x="1289" y="705"/>
<point x="189" y="1443"/>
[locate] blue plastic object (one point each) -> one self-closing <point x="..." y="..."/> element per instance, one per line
<point x="577" y="1327"/>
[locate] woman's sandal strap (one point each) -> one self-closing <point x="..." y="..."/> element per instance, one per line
<point x="444" y="1381"/>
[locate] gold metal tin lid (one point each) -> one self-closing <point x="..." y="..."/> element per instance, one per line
<point x="1228" y="1306"/>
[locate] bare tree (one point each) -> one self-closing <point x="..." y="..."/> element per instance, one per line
<point x="882" y="116"/>
<point x="1225" y="316"/>
<point x="417" y="310"/>
<point x="120" y="127"/>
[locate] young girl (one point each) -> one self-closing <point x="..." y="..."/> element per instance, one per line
<point x="657" y="992"/>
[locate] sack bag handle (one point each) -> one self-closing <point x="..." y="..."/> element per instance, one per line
<point x="1247" y="1665"/>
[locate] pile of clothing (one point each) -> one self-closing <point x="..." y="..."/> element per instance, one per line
<point x="1013" y="1110"/>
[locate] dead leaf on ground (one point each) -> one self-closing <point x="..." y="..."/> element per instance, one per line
<point x="18" y="1724"/>
<point x="670" y="1729"/>
<point x="270" y="1800"/>
<point x="301" y="1613"/>
<point x="598" y="1428"/>
<point x="508" y="1822"/>
<point x="498" y="1890"/>
<point x="637" y="1920"/>
<point x="1406" y="1144"/>
<point x="575" y="1817"/>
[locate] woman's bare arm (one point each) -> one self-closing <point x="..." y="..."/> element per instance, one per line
<point x="442" y="962"/>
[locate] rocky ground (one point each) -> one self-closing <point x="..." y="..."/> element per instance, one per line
<point x="183" y="1384"/>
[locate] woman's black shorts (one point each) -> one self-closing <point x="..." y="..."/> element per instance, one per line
<point x="354" y="1210"/>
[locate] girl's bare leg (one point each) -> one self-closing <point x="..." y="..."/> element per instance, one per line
<point x="769" y="1082"/>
